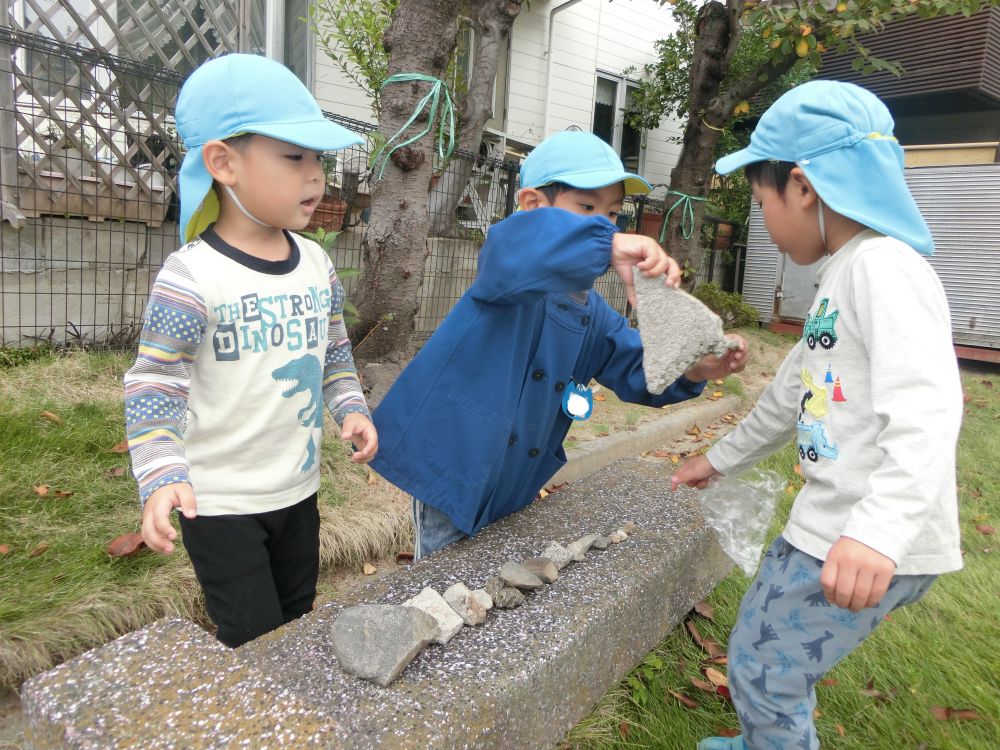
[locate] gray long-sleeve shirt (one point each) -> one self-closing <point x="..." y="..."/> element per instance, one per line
<point x="873" y="397"/>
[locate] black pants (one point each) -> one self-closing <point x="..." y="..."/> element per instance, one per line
<point x="258" y="571"/>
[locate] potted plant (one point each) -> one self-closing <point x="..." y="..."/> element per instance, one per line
<point x="332" y="209"/>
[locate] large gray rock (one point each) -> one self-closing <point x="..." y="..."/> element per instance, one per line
<point x="377" y="641"/>
<point x="557" y="554"/>
<point x="676" y="330"/>
<point x="503" y="596"/>
<point x="431" y="602"/>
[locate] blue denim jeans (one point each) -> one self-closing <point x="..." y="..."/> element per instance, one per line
<point x="432" y="530"/>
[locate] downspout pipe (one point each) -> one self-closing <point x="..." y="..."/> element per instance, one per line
<point x="548" y="63"/>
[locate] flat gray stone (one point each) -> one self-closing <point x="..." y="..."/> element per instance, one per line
<point x="676" y="330"/>
<point x="514" y="574"/>
<point x="542" y="567"/>
<point x="472" y="607"/>
<point x="376" y="641"/>
<point x="601" y="542"/>
<point x="617" y="537"/>
<point x="448" y="621"/>
<point x="557" y="554"/>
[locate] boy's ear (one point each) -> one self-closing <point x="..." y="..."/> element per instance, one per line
<point x="219" y="158"/>
<point x="529" y="198"/>
<point x="800" y="189"/>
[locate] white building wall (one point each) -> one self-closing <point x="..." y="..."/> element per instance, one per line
<point x="337" y="93"/>
<point x="546" y="96"/>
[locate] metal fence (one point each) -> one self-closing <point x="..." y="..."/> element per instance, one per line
<point x="88" y="173"/>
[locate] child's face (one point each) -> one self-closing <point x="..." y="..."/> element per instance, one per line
<point x="792" y="221"/>
<point x="605" y="201"/>
<point x="279" y="183"/>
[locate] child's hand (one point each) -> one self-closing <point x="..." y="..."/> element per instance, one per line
<point x="359" y="430"/>
<point x="644" y="253"/>
<point x="695" y="473"/>
<point x="734" y="360"/>
<point x="855" y="576"/>
<point x="157" y="531"/>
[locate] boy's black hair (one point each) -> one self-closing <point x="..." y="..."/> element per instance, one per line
<point x="239" y="142"/>
<point x="771" y="174"/>
<point x="553" y="189"/>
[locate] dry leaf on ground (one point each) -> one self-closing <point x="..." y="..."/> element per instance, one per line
<point x="716" y="677"/>
<point x="64" y="493"/>
<point x="684" y="700"/>
<point x="39" y="549"/>
<point x="126" y="545"/>
<point x="115" y="471"/>
<point x="955" y="714"/>
<point x="369" y="569"/>
<point x="53" y="418"/>
<point x="4" y="549"/>
<point x="705" y="609"/>
<point x="985" y="529"/>
<point x="41" y="490"/>
<point x="120" y="447"/>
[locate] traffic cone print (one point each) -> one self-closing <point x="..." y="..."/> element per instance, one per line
<point x="838" y="395"/>
<point x="829" y="375"/>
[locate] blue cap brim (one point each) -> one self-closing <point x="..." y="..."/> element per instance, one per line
<point x="590" y="180"/>
<point x="738" y="160"/>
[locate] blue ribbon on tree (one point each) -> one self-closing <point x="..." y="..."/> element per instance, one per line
<point x="446" y="121"/>
<point x="687" y="214"/>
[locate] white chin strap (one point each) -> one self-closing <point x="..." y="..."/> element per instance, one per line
<point x="232" y="194"/>
<point x="822" y="221"/>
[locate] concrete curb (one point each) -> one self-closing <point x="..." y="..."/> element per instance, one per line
<point x="599" y="454"/>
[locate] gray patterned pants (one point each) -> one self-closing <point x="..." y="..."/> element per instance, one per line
<point x="787" y="636"/>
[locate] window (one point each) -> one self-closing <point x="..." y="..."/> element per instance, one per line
<point x="612" y="97"/>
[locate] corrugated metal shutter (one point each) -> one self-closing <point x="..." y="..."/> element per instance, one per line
<point x="760" y="275"/>
<point x="962" y="207"/>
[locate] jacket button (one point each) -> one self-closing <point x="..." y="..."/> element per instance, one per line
<point x="585" y="319"/>
<point x="511" y="440"/>
<point x="560" y="385"/>
<point x="538" y="374"/>
<point x="533" y="452"/>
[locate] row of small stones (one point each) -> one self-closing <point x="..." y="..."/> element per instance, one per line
<point x="505" y="590"/>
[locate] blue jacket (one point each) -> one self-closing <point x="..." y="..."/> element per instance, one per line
<point x="474" y="424"/>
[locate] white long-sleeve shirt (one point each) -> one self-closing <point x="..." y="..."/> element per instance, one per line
<point x="236" y="358"/>
<point x="873" y="396"/>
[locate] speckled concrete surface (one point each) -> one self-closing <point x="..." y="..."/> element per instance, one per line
<point x="170" y="686"/>
<point x="520" y="680"/>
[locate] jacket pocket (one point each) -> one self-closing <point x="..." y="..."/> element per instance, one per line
<point x="466" y="441"/>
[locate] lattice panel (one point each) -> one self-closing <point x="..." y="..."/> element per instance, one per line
<point x="95" y="82"/>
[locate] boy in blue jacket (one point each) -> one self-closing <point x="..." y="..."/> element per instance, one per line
<point x="473" y="428"/>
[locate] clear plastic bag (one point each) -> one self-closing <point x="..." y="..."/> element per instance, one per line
<point x="740" y="510"/>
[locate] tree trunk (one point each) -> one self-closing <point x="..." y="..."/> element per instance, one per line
<point x="716" y="39"/>
<point x="420" y="39"/>
<point x="492" y="24"/>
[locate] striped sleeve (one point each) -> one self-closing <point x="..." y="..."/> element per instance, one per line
<point x="341" y="387"/>
<point x="156" y="387"/>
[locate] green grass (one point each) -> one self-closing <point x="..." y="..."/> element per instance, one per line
<point x="941" y="652"/>
<point x="73" y="596"/>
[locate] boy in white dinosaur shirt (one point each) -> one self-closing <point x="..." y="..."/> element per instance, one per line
<point x="242" y="342"/>
<point x="871" y="394"/>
